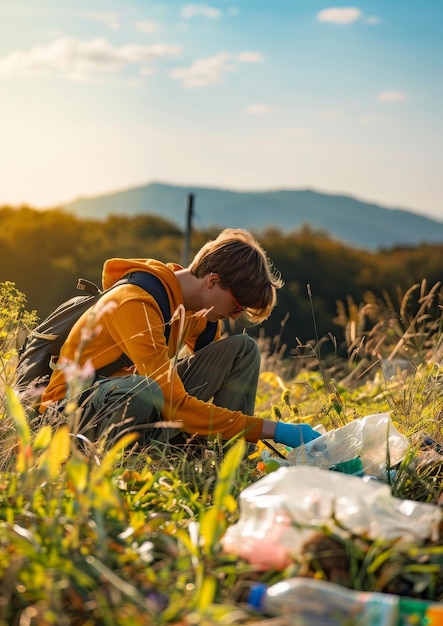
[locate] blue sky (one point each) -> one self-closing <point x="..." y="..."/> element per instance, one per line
<point x="99" y="96"/>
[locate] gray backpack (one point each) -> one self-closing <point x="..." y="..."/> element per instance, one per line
<point x="39" y="353"/>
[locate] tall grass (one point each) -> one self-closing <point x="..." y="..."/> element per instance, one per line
<point x="122" y="535"/>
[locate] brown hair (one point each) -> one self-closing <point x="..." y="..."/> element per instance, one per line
<point x="243" y="267"/>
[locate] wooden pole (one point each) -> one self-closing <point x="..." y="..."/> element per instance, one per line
<point x="188" y="230"/>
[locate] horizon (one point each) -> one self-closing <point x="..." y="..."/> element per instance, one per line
<point x="240" y="96"/>
<point x="222" y="189"/>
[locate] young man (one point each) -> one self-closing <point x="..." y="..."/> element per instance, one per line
<point x="173" y="390"/>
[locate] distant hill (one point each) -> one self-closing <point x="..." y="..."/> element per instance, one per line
<point x="356" y="223"/>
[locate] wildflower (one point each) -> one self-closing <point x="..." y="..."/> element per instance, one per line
<point x="73" y="371"/>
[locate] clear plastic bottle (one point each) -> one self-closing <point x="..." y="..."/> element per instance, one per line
<point x="313" y="602"/>
<point x="366" y="443"/>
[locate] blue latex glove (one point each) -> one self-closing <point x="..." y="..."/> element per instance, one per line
<point x="294" y="435"/>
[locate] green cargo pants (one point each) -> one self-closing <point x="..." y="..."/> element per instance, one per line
<point x="224" y="372"/>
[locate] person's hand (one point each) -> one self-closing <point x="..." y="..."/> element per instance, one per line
<point x="294" y="435"/>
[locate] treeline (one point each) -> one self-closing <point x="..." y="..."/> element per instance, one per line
<point x="44" y="252"/>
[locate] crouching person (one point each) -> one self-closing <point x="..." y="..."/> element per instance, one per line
<point x="177" y="377"/>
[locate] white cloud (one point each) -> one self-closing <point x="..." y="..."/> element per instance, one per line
<point x="339" y="15"/>
<point x="209" y="71"/>
<point x="233" y="11"/>
<point x="259" y="109"/>
<point x="146" y="27"/>
<point x="111" y="20"/>
<point x="74" y="59"/>
<point x="391" y="96"/>
<point x="199" y="10"/>
<point x="371" y="19"/>
<point x="249" y="57"/>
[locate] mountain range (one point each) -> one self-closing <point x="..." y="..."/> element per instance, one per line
<point x="354" y="222"/>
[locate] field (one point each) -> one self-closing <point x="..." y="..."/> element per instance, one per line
<point x="121" y="536"/>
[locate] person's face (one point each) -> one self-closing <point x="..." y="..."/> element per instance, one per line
<point x="223" y="302"/>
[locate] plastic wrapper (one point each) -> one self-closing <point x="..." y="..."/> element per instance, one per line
<point x="373" y="439"/>
<point x="280" y="510"/>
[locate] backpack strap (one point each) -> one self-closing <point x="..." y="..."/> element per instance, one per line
<point x="88" y="286"/>
<point x="154" y="286"/>
<point x="206" y="336"/>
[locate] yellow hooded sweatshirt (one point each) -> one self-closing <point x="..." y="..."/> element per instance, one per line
<point x="128" y="319"/>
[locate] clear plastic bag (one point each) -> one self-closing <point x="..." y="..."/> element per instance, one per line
<point x="280" y="510"/>
<point x="373" y="439"/>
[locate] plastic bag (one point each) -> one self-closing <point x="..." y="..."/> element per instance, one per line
<point x="373" y="439"/>
<point x="280" y="510"/>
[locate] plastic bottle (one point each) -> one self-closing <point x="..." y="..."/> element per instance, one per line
<point x="414" y="612"/>
<point x="367" y="443"/>
<point x="321" y="603"/>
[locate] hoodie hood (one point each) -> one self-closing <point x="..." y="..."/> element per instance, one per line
<point x="115" y="269"/>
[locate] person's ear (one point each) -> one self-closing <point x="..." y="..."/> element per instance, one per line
<point x="212" y="280"/>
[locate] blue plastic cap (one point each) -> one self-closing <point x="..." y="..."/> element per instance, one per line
<point x="255" y="596"/>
